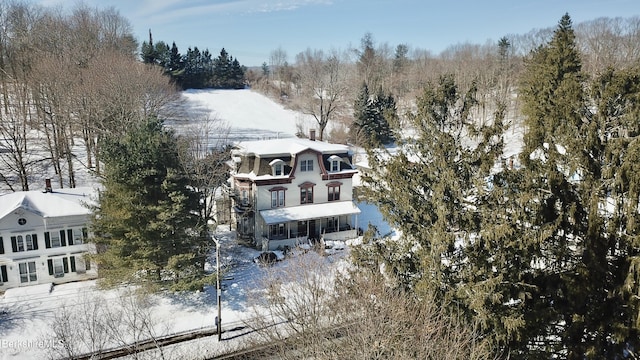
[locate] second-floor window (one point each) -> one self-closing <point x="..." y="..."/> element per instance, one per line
<point x="79" y="236"/>
<point x="277" y="198"/>
<point x="54" y="239"/>
<point x="27" y="242"/>
<point x="334" y="193"/>
<point x="306" y="165"/>
<point x="306" y="195"/>
<point x="58" y="238"/>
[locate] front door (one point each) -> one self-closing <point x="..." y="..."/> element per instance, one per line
<point x="313" y="232"/>
<point x="302" y="228"/>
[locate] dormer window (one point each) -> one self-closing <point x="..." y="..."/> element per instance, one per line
<point x="334" y="160"/>
<point x="277" y="167"/>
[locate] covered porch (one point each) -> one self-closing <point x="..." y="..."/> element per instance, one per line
<point x="304" y="224"/>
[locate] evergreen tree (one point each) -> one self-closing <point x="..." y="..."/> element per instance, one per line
<point x="426" y="189"/>
<point x="175" y="66"/>
<point x="386" y="113"/>
<point x="148" y="51"/>
<point x="193" y="75"/>
<point x="371" y="118"/>
<point x="548" y="272"/>
<point x="146" y="225"/>
<point x="238" y="75"/>
<point x="222" y="72"/>
<point x="551" y="204"/>
<point x="162" y="54"/>
<point x="358" y="132"/>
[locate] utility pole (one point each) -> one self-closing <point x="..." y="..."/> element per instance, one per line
<point x="218" y="289"/>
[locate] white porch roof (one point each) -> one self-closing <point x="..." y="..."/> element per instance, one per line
<point x="309" y="211"/>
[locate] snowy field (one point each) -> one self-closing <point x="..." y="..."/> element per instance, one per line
<point x="28" y="314"/>
<point x="249" y="114"/>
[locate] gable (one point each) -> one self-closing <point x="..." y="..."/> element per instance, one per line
<point x="38" y="208"/>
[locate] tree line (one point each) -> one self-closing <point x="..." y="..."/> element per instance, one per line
<point x="316" y="79"/>
<point x="195" y="69"/>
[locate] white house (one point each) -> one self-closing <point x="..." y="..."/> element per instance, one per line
<point x="293" y="191"/>
<point x="43" y="237"/>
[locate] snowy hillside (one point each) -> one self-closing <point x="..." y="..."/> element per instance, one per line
<point x="249" y="114"/>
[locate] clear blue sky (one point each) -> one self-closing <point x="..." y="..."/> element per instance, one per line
<point x="251" y="29"/>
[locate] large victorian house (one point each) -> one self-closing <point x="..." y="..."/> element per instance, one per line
<point x="43" y="237"/>
<point x="293" y="191"/>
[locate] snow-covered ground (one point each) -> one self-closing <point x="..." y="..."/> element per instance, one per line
<point x="28" y="314"/>
<point x="249" y="114"/>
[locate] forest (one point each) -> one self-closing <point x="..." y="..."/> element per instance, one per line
<point x="537" y="258"/>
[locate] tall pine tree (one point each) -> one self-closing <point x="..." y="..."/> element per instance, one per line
<point x="555" y="249"/>
<point x="146" y="224"/>
<point x="372" y="115"/>
<point x="429" y="188"/>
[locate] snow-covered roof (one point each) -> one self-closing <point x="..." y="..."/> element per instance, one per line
<point x="308" y="211"/>
<point x="288" y="146"/>
<point x="60" y="202"/>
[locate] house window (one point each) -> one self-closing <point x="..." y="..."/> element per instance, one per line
<point x="306" y="195"/>
<point x="1" y="245"/>
<point x="58" y="238"/>
<point x="52" y="239"/>
<point x="334" y="161"/>
<point x="3" y="274"/>
<point x="244" y="198"/>
<point x="77" y="236"/>
<point x="27" y="242"/>
<point x="277" y="230"/>
<point x="19" y="241"/>
<point x="58" y="268"/>
<point x="334" y="193"/>
<point x="332" y="224"/>
<point x="277" y="167"/>
<point x="28" y="272"/>
<point x="306" y="165"/>
<point x="277" y="198"/>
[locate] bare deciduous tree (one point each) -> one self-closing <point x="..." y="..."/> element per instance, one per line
<point x="93" y="323"/>
<point x="314" y="313"/>
<point x="324" y="85"/>
<point x="17" y="22"/>
<point x="204" y="153"/>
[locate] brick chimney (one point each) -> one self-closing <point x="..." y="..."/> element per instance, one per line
<point x="312" y="134"/>
<point x="47" y="185"/>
